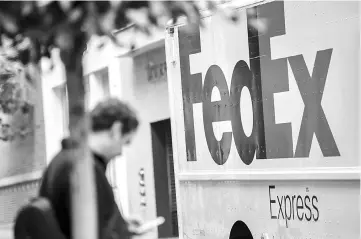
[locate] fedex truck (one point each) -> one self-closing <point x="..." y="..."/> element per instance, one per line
<point x="266" y="121"/>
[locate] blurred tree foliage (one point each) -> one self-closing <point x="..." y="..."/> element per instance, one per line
<point x="30" y="29"/>
<point x="13" y="101"/>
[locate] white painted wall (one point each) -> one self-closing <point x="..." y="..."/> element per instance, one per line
<point x="152" y="104"/>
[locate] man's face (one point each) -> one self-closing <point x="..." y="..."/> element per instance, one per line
<point x="118" y="140"/>
<point x="125" y="140"/>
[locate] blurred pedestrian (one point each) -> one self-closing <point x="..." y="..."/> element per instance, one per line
<point x="113" y="124"/>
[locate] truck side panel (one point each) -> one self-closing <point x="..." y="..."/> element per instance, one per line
<point x="266" y="121"/>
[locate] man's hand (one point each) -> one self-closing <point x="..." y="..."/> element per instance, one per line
<point x="137" y="227"/>
<point x="134" y="222"/>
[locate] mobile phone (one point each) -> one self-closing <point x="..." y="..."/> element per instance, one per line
<point x="147" y="226"/>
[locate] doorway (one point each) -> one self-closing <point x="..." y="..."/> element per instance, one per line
<point x="164" y="181"/>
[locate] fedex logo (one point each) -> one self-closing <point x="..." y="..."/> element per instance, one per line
<point x="263" y="77"/>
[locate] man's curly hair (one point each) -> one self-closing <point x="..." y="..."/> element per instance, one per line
<point x="110" y="110"/>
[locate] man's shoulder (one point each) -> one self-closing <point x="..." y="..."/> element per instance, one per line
<point x="63" y="159"/>
<point x="60" y="166"/>
<point x="57" y="174"/>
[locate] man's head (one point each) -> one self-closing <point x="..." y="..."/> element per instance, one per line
<point x="113" y="126"/>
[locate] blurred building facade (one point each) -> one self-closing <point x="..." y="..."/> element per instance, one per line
<point x="143" y="178"/>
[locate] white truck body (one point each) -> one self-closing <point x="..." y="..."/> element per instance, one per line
<point x="266" y="126"/>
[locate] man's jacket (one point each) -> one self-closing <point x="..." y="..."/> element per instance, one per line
<point x="56" y="187"/>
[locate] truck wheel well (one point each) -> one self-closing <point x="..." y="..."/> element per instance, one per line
<point x="240" y="231"/>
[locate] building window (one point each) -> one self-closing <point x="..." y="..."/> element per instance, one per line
<point x="61" y="94"/>
<point x="102" y="78"/>
<point x="96" y="87"/>
<point x="86" y="90"/>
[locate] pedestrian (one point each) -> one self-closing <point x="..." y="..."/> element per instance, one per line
<point x="113" y="124"/>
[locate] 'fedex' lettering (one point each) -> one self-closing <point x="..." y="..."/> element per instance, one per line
<point x="263" y="77"/>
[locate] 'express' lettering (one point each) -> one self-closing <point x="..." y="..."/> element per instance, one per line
<point x="293" y="207"/>
<point x="263" y="77"/>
